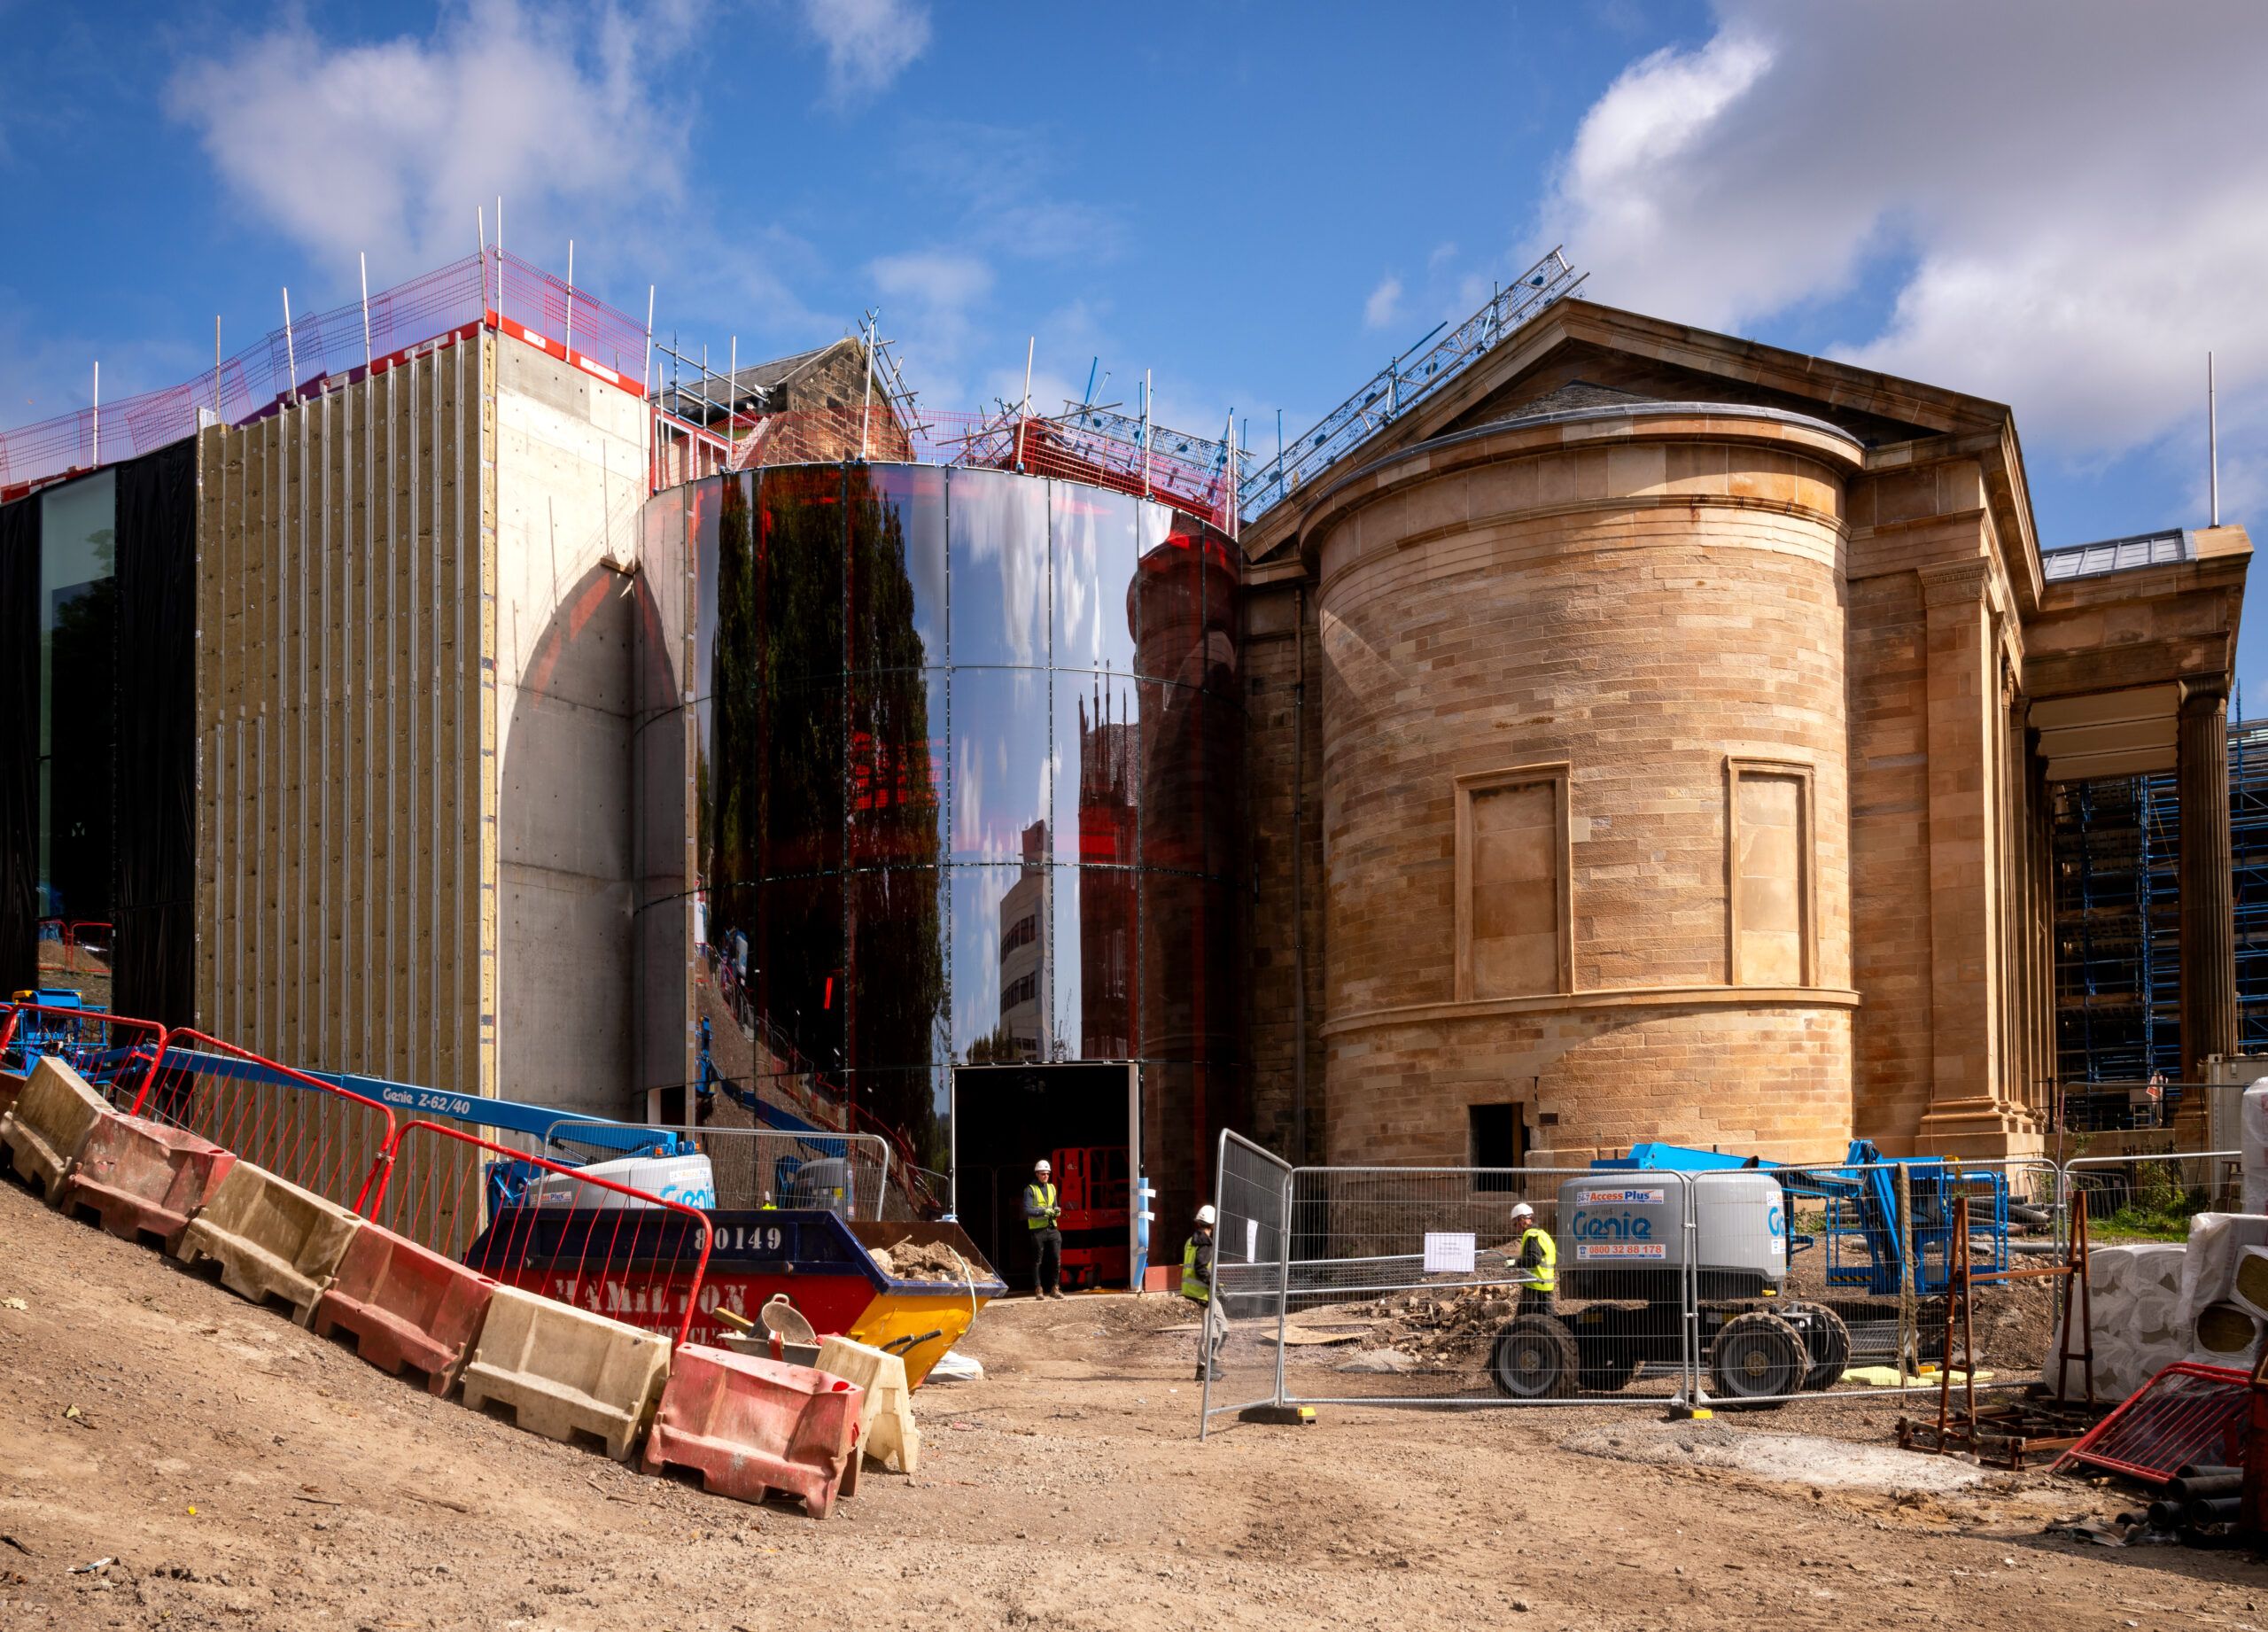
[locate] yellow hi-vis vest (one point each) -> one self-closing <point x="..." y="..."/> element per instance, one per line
<point x="1194" y="1286"/>
<point x="1547" y="1273"/>
<point x="1039" y="1205"/>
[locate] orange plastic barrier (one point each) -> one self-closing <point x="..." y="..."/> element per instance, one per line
<point x="142" y="1177"/>
<point x="406" y="1306"/>
<point x="748" y="1425"/>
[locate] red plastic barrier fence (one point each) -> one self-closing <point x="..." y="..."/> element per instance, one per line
<point x="317" y="1136"/>
<point x="547" y="1228"/>
<point x="116" y="1053"/>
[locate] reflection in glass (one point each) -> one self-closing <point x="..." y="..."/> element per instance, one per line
<point x="1000" y="961"/>
<point x="1000" y="568"/>
<point x="78" y="630"/>
<point x="1001" y="774"/>
<point x="897" y="566"/>
<point x="1093" y="543"/>
<point x="940" y="818"/>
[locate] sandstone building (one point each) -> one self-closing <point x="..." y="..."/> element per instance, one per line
<point x="1670" y="719"/>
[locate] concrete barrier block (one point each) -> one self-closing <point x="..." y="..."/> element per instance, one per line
<point x="748" y="1425"/>
<point x="886" y="1428"/>
<point x="140" y="1177"/>
<point x="565" y="1373"/>
<point x="271" y="1237"/>
<point x="406" y="1306"/>
<point x="55" y="1112"/>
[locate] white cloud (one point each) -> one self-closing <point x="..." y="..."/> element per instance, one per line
<point x="1384" y="308"/>
<point x="2067" y="200"/>
<point x="391" y="146"/>
<point x="869" y="43"/>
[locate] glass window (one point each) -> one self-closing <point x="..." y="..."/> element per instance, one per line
<point x="78" y="613"/>
<point x="1170" y="598"/>
<point x="1000" y="568"/>
<point x="1001" y="774"/>
<point x="1094" y="542"/>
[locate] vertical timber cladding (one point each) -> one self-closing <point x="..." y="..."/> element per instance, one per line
<point x="570" y="482"/>
<point x="339" y="706"/>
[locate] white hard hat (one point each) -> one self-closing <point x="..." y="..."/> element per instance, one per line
<point x="1523" y="1210"/>
<point x="1206" y="1214"/>
<point x="1040" y="1166"/>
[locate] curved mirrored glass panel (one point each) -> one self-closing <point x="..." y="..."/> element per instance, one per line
<point x="968" y="767"/>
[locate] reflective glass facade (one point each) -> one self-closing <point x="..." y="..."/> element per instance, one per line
<point x="968" y="771"/>
<point x="78" y="613"/>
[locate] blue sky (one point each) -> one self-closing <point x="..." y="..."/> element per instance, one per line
<point x="2059" y="204"/>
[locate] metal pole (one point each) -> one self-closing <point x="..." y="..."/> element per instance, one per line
<point x="291" y="353"/>
<point x="570" y="341"/>
<point x="866" y="409"/>
<point x="216" y="365"/>
<point x="500" y="258"/>
<point x="652" y="446"/>
<point x="1909" y="1336"/>
<point x="366" y="307"/>
<point x="1031" y="344"/>
<point x="1146" y="433"/>
<point x="2212" y="440"/>
<point x="95" y="458"/>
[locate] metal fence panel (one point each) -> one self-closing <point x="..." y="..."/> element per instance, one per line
<point x="1834" y="1280"/>
<point x="843" y="1173"/>
<point x="1239" y="1328"/>
<point x="1432" y="1285"/>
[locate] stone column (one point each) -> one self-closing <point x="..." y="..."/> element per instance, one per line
<point x="2207" y="910"/>
<point x="1969" y="1112"/>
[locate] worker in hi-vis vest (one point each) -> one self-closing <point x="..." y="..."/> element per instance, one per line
<point x="1197" y="1287"/>
<point x="1041" y="1211"/>
<point x="1538" y="1257"/>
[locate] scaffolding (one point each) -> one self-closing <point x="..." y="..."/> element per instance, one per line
<point x="2117" y="854"/>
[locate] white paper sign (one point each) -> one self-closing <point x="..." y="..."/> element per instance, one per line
<point x="1252" y="1241"/>
<point x="1448" y="1253"/>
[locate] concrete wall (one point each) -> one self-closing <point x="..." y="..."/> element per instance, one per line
<point x="570" y="486"/>
<point x="342" y="727"/>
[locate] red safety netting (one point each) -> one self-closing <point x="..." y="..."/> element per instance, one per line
<point x="308" y="1131"/>
<point x="321" y="348"/>
<point x="537" y="1225"/>
<point x="113" y="1052"/>
<point x="2187" y="1413"/>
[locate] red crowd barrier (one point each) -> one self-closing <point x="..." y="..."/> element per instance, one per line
<point x="115" y="1054"/>
<point x="303" y="1130"/>
<point x="547" y="1228"/>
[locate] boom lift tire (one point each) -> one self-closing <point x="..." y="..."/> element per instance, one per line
<point x="1827" y="1341"/>
<point x="1757" y="1355"/>
<point x="1535" y="1357"/>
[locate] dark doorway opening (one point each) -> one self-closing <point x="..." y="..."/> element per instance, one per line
<point x="1499" y="1139"/>
<point x="1080" y="1118"/>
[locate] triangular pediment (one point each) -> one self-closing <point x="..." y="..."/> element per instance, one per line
<point x="1579" y="354"/>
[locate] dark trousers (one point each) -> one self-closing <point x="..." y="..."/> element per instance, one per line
<point x="1047" y="1260"/>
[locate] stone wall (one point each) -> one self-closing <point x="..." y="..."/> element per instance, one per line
<point x="1641" y="610"/>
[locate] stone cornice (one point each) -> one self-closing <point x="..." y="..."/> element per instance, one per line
<point x="1612" y="998"/>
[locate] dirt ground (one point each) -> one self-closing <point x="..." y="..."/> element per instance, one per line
<point x="240" y="1473"/>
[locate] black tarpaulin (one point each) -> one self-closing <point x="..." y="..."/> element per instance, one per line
<point x="18" y="744"/>
<point x="153" y="881"/>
